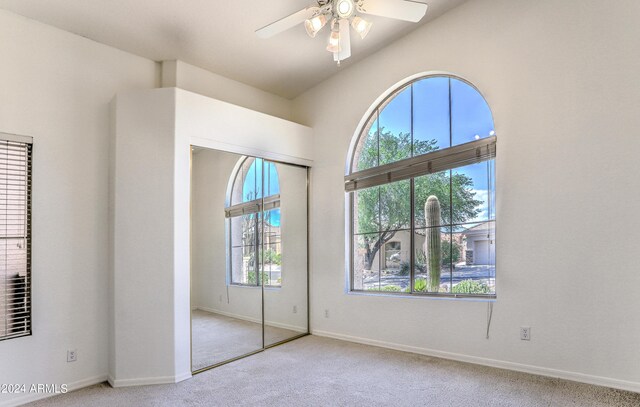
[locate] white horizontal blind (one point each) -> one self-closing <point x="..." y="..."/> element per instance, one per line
<point x="255" y="206"/>
<point x="15" y="237"/>
<point x="435" y="161"/>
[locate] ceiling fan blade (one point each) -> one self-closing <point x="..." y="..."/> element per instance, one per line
<point x="399" y="9"/>
<point x="288" y="22"/>
<point x="345" y="41"/>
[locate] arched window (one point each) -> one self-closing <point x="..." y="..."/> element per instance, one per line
<point x="253" y="224"/>
<point x="420" y="182"/>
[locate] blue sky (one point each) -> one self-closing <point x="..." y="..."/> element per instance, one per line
<point x="470" y="114"/>
<point x="252" y="187"/>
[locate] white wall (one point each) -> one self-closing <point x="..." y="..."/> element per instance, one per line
<point x="561" y="78"/>
<point x="188" y="77"/>
<point x="143" y="295"/>
<point x="56" y="87"/>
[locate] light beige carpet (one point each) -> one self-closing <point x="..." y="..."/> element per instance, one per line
<point x="216" y="338"/>
<point x="314" y="371"/>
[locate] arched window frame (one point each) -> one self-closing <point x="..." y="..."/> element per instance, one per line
<point x="256" y="208"/>
<point x="449" y="158"/>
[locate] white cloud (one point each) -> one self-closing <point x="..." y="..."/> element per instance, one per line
<point x="481" y="195"/>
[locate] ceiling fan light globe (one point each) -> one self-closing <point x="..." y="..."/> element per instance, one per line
<point x="334" y="42"/>
<point x="361" y="26"/>
<point x="315" y="24"/>
<point x="344" y="8"/>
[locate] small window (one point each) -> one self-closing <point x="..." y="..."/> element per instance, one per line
<point x="15" y="236"/>
<point x="393" y="255"/>
<point x="421" y="189"/>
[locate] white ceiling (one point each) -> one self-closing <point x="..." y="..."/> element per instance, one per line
<point x="218" y="35"/>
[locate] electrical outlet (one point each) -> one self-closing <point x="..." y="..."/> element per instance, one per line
<point x="72" y="355"/>
<point x="326" y="313"/>
<point x="525" y="333"/>
<point x="295" y="309"/>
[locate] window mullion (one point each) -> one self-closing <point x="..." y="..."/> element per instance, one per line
<point x="411" y="124"/>
<point x="381" y="247"/>
<point x="378" y="134"/>
<point x="412" y="243"/>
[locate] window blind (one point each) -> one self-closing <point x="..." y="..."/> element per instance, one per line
<point x="255" y="206"/>
<point x="439" y="160"/>
<point x="15" y="236"/>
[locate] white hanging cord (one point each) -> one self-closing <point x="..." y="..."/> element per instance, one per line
<point x="489" y="316"/>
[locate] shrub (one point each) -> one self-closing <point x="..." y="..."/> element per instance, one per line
<point x="405" y="267"/>
<point x="420" y="285"/>
<point x="270" y="257"/>
<point x="251" y="278"/>
<point x="470" y="287"/>
<point x="391" y="288"/>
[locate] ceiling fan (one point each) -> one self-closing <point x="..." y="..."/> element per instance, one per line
<point x="341" y="14"/>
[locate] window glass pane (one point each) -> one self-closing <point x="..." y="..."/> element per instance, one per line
<point x="396" y="263"/>
<point x="247" y="185"/>
<point x="249" y="267"/>
<point x="433" y="266"/>
<point x="366" y="154"/>
<point x="243" y="266"/>
<point x="271" y="181"/>
<point x="472" y="187"/>
<point x="491" y="168"/>
<point x="272" y="248"/>
<point x="243" y="243"/>
<point x="366" y="207"/>
<point x="252" y="187"/>
<point x="470" y="114"/>
<point x="436" y="185"/>
<point x="395" y="128"/>
<point x="366" y="262"/>
<point x="430" y="115"/>
<point x="475" y="271"/>
<point x="395" y="207"/>
<point x="249" y="229"/>
<point x="273" y="265"/>
<point x="238" y="182"/>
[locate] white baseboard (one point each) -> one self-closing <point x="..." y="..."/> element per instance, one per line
<point x="28" y="397"/>
<point x="255" y="320"/>
<point x="142" y="381"/>
<point x="183" y="376"/>
<point x="519" y="367"/>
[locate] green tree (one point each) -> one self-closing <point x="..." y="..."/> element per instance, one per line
<point x="386" y="209"/>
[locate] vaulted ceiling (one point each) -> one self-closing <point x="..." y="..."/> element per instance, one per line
<point x="218" y="35"/>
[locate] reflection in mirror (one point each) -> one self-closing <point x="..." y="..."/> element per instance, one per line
<point x="284" y="252"/>
<point x="226" y="296"/>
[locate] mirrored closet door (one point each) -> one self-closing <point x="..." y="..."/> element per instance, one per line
<point x="248" y="255"/>
<point x="284" y="253"/>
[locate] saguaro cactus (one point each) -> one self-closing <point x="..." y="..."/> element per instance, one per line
<point x="433" y="243"/>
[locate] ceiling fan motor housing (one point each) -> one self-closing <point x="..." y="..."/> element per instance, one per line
<point x="344" y="8"/>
